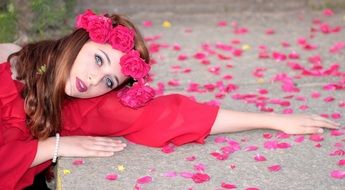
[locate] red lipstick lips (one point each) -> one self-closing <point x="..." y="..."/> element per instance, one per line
<point x="81" y="86"/>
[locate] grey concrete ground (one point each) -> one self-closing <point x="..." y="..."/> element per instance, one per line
<point x="305" y="165"/>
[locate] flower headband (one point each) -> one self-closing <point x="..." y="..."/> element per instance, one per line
<point x="121" y="38"/>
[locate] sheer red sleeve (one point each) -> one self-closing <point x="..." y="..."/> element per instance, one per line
<point x="166" y="119"/>
<point x="17" y="148"/>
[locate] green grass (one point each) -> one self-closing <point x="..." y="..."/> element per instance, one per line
<point x="8" y="27"/>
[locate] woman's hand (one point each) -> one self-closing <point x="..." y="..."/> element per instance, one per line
<point x="302" y="123"/>
<point x="77" y="146"/>
<point x="87" y="146"/>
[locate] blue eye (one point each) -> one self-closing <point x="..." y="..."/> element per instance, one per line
<point x="109" y="82"/>
<point x="99" y="60"/>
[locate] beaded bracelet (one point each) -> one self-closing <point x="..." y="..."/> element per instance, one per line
<point x="57" y="140"/>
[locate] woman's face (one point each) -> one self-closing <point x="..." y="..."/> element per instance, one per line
<point x="95" y="71"/>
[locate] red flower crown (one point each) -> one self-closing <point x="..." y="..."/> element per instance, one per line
<point x="121" y="38"/>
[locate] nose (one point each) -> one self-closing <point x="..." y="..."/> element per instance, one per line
<point x="94" y="78"/>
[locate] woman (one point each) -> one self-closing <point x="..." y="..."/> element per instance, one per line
<point x="93" y="82"/>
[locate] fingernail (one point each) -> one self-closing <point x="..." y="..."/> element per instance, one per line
<point x="320" y="130"/>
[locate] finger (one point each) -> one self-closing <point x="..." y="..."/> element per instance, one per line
<point x="113" y="144"/>
<point x="325" y="124"/>
<point x="106" y="139"/>
<point x="99" y="154"/>
<point x="106" y="148"/>
<point x="320" y="118"/>
<point x="312" y="130"/>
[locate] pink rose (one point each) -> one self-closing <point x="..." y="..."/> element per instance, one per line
<point x="133" y="65"/>
<point x="136" y="96"/>
<point x="99" y="28"/>
<point x="82" y="20"/>
<point x="122" y="38"/>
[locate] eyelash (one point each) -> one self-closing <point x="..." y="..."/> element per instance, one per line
<point x="108" y="82"/>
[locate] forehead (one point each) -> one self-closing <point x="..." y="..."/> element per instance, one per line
<point x="92" y="47"/>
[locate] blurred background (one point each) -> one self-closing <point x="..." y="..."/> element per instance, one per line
<point x="22" y="21"/>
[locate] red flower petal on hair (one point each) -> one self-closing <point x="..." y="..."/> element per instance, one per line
<point x="99" y="28"/>
<point x="133" y="65"/>
<point x="82" y="20"/>
<point x="122" y="38"/>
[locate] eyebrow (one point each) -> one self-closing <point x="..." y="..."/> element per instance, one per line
<point x="106" y="55"/>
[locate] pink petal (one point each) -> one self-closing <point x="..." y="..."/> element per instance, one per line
<point x="222" y="23"/>
<point x="200" y="177"/>
<point x="328" y="12"/>
<point x="338" y="174"/>
<point x="252" y="188"/>
<point x="177" y="47"/>
<point x="170" y="174"/>
<point x="147" y="23"/>
<point x="220" y="139"/>
<point x="144" y="180"/>
<point x="186" y="174"/>
<point x="267" y="135"/>
<point x="329" y="99"/>
<point x="274" y="168"/>
<point x="282" y="135"/>
<point x="199" y="167"/>
<point x="271" y="144"/>
<point x="336" y="132"/>
<point x="316" y="137"/>
<point x="219" y="156"/>
<point x="111" y="176"/>
<point x="315" y="94"/>
<point x="182" y="57"/>
<point x="228" y="185"/>
<point x="341" y="162"/>
<point x="337" y="152"/>
<point x="299" y="139"/>
<point x="283" y="145"/>
<point x="168" y="149"/>
<point x="260" y="158"/>
<point x="251" y="148"/>
<point x="78" y="162"/>
<point x="191" y="158"/>
<point x="336" y="115"/>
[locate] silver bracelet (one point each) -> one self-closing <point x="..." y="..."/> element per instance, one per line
<point x="57" y="140"/>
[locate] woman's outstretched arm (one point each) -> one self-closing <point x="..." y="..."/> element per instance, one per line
<point x="228" y="121"/>
<point x="77" y="146"/>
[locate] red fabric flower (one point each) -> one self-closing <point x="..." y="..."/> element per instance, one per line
<point x="136" y="96"/>
<point x="99" y="28"/>
<point x="82" y="20"/>
<point x="122" y="38"/>
<point x="132" y="65"/>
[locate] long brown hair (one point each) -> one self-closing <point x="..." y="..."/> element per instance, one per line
<point x="44" y="91"/>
